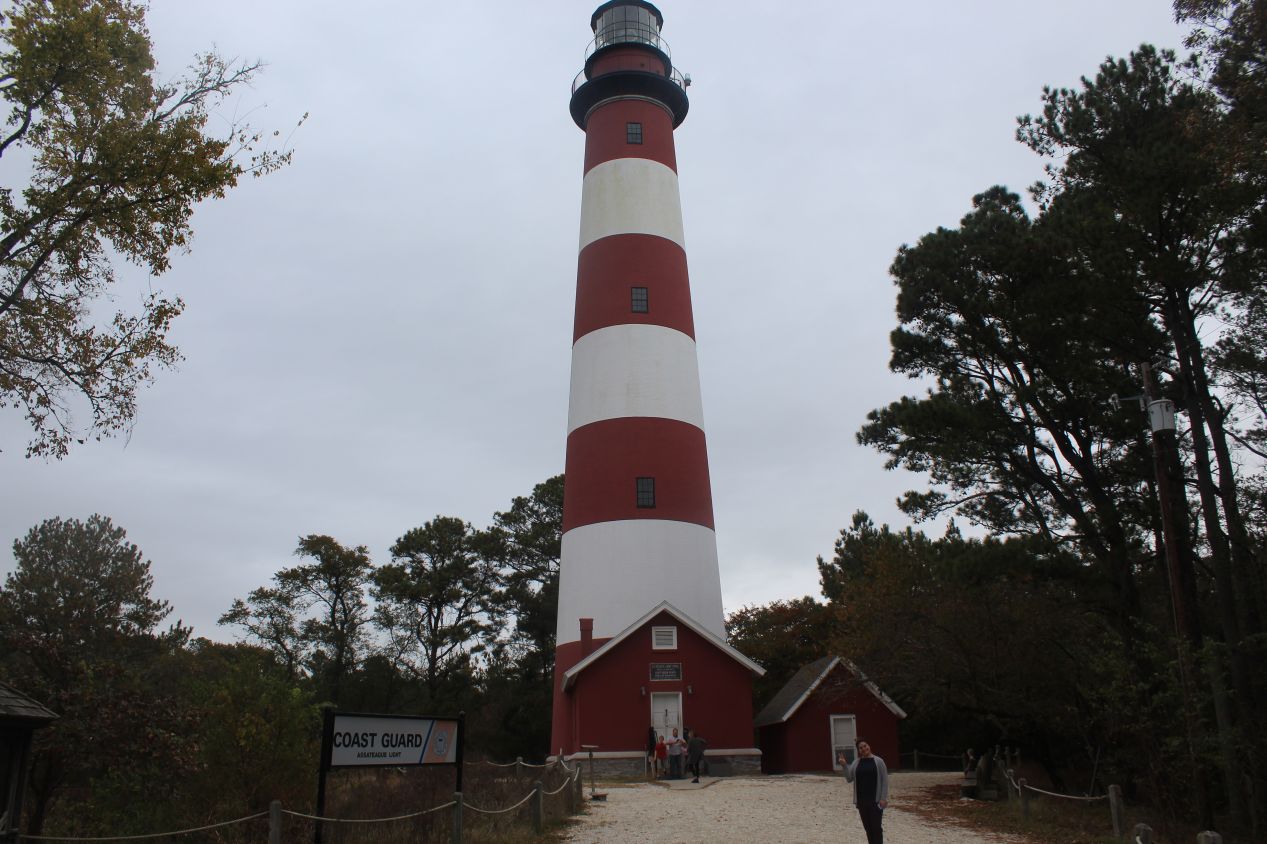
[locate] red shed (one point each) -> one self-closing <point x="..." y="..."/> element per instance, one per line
<point x="664" y="670"/>
<point x="824" y="708"/>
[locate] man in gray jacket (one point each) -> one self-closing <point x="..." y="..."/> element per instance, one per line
<point x="870" y="780"/>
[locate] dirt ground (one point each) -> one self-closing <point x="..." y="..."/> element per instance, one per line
<point x="804" y="809"/>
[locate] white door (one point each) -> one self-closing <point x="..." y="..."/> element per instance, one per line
<point x="666" y="712"/>
<point x="844" y="735"/>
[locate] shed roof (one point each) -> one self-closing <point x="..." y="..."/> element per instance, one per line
<point x="15" y="706"/>
<point x="569" y="676"/>
<point x="803" y="683"/>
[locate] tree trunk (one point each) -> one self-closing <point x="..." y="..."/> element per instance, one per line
<point x="1187" y="350"/>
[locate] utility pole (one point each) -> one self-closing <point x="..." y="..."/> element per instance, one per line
<point x="1172" y="502"/>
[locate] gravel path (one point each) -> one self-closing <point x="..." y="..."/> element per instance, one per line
<point x="804" y="809"/>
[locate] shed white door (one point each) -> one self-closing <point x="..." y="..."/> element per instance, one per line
<point x="666" y="712"/>
<point x="844" y="734"/>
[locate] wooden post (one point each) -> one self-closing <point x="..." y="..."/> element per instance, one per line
<point x="1115" y="809"/>
<point x="1209" y="837"/>
<point x="1143" y="834"/>
<point x="917" y="760"/>
<point x="578" y="786"/>
<point x="569" y="795"/>
<point x="538" y="810"/>
<point x="1252" y="798"/>
<point x="457" y="818"/>
<point x="1020" y="787"/>
<point x="327" y="746"/>
<point x="519" y="766"/>
<point x="275" y="822"/>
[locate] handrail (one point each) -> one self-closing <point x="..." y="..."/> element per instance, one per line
<point x="626" y="33"/>
<point x="675" y="76"/>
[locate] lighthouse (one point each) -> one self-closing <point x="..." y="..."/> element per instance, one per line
<point x="641" y="644"/>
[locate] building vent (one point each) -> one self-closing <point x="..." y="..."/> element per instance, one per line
<point x="663" y="638"/>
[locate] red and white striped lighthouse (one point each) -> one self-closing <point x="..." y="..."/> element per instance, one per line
<point x="639" y="549"/>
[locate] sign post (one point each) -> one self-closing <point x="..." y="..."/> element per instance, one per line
<point x="355" y="739"/>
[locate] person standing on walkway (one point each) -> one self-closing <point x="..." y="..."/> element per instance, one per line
<point x="695" y="753"/>
<point x="675" y="755"/>
<point x="870" y="780"/>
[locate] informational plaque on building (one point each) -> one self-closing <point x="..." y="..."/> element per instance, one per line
<point x="666" y="671"/>
<point x="356" y="740"/>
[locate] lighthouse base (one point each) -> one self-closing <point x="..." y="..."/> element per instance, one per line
<point x="633" y="765"/>
<point x="665" y="672"/>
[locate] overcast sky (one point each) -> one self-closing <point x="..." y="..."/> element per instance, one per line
<point x="382" y="332"/>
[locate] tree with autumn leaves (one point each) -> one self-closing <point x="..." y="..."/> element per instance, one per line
<point x="114" y="164"/>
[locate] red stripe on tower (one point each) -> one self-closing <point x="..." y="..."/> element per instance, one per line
<point x="611" y="270"/>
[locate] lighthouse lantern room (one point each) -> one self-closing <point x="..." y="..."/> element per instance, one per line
<point x="641" y="644"/>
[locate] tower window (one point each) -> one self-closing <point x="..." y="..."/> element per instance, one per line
<point x="638" y="300"/>
<point x="646" y="492"/>
<point x="633" y="133"/>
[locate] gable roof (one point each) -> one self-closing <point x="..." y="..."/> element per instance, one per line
<point x="569" y="676"/>
<point x="15" y="706"/>
<point x="803" y="683"/>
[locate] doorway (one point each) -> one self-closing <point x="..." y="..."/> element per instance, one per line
<point x="666" y="712"/>
<point x="844" y="737"/>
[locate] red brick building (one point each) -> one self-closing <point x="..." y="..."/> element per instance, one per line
<point x="824" y="708"/>
<point x="664" y="670"/>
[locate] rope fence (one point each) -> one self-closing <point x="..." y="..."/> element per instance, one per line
<point x="520" y="763"/>
<point x="409" y="816"/>
<point x="920" y="759"/>
<point x="556" y="791"/>
<point x="1022" y="790"/>
<point x="379" y="829"/>
<point x="151" y="835"/>
<point x="527" y="797"/>
<point x="1008" y="761"/>
<point x="240" y="829"/>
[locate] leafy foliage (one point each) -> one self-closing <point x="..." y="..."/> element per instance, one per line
<point x="117" y="163"/>
<point x="781" y="636"/>
<point x="527" y="541"/>
<point x="1146" y="256"/>
<point x="78" y="631"/>
<point x="315" y="614"/>
<point x="436" y="602"/>
<point x="1018" y="435"/>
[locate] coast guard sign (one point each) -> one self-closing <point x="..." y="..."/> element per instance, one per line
<point x="353" y="740"/>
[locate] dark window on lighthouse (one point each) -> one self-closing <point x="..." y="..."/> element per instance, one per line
<point x="633" y="133"/>
<point x="638" y="300"/>
<point x="646" y="492"/>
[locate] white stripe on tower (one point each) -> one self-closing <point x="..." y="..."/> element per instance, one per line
<point x="610" y="552"/>
<point x="631" y="196"/>
<point x="634" y="370"/>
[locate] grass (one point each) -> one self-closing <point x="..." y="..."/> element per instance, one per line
<point x="1050" y="821"/>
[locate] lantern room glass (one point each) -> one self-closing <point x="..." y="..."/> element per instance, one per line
<point x="627" y="24"/>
